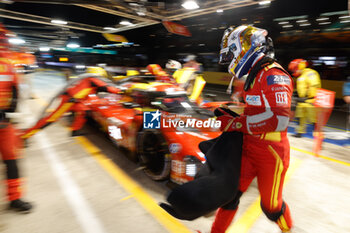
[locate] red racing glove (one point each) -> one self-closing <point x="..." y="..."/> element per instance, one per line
<point x="230" y="121"/>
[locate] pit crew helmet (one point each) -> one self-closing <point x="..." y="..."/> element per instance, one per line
<point x="173" y="65"/>
<point x="296" y="66"/>
<point x="240" y="47"/>
<point x="97" y="70"/>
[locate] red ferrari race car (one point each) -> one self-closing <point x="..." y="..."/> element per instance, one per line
<point x="166" y="146"/>
<point x="171" y="149"/>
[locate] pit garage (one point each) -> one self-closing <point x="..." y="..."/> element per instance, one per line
<point x="111" y="174"/>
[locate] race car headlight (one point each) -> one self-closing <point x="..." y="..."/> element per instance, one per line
<point x="192" y="165"/>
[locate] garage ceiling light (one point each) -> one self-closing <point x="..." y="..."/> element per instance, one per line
<point x="140" y="13"/>
<point x="126" y="23"/>
<point x="264" y="3"/>
<point x="190" y="5"/>
<point x="219" y="10"/>
<point x="302" y="21"/>
<point x="58" y="21"/>
<point x="345" y="21"/>
<point x="73" y="45"/>
<point x="287" y="26"/>
<point x="305" y="24"/>
<point x="284" y="22"/>
<point x="344" y="17"/>
<point x="44" y="49"/>
<point x="16" y="41"/>
<point x="80" y="66"/>
<point x="322" y="19"/>
<point x="108" y="28"/>
<point x="327" y="58"/>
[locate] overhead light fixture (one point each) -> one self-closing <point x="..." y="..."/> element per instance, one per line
<point x="219" y="10"/>
<point x="140" y="13"/>
<point x="108" y="28"/>
<point x="324" y="23"/>
<point x="283" y="22"/>
<point x="345" y="21"/>
<point x="322" y="19"/>
<point x="190" y="5"/>
<point x="16" y="41"/>
<point x="73" y="45"/>
<point x="301" y="21"/>
<point x="326" y="58"/>
<point x="58" y="21"/>
<point x="80" y="66"/>
<point x="126" y="23"/>
<point x="44" y="49"/>
<point x="344" y="17"/>
<point x="305" y="24"/>
<point x="287" y="26"/>
<point x="332" y="29"/>
<point x="264" y="3"/>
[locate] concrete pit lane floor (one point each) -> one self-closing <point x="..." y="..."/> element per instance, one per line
<point x="86" y="184"/>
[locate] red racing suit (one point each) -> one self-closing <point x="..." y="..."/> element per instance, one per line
<point x="9" y="141"/>
<point x="265" y="145"/>
<point x="71" y="100"/>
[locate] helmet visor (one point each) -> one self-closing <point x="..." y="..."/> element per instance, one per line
<point x="227" y="54"/>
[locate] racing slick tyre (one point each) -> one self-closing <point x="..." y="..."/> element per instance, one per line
<point x="152" y="150"/>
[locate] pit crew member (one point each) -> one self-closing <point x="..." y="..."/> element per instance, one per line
<point x="308" y="81"/>
<point x="9" y="141"/>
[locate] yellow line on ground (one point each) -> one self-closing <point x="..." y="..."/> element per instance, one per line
<point x="321" y="156"/>
<point x="126" y="198"/>
<point x="166" y="220"/>
<point x="170" y="223"/>
<point x="246" y="221"/>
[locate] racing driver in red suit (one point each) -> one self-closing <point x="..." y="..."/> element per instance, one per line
<point x="267" y="93"/>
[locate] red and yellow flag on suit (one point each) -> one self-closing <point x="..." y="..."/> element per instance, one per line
<point x="324" y="103"/>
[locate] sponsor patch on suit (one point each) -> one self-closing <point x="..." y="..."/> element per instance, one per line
<point x="281" y="97"/>
<point x="253" y="100"/>
<point x="278" y="79"/>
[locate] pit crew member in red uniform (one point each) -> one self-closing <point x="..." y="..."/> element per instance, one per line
<point x="71" y="99"/>
<point x="267" y="93"/>
<point x="9" y="141"/>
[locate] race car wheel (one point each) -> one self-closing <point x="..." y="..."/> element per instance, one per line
<point x="153" y="154"/>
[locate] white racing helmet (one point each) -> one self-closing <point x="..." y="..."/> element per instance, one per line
<point x="240" y="47"/>
<point x="173" y="65"/>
